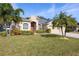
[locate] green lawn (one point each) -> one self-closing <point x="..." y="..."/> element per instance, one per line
<point x="38" y="45"/>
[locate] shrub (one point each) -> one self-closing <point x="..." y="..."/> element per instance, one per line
<point x="3" y="33"/>
<point x="26" y="33"/>
<point x="48" y="30"/>
<point x="40" y="31"/>
<point x="69" y="30"/>
<point x="49" y="35"/>
<point x="15" y="31"/>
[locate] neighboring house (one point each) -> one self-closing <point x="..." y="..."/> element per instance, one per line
<point x="77" y="29"/>
<point x="1" y="27"/>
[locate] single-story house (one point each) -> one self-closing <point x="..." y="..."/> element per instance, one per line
<point x="32" y="23"/>
<point x="37" y="23"/>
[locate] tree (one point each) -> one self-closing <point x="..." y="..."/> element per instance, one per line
<point x="5" y="12"/>
<point x="16" y="19"/>
<point x="69" y="21"/>
<point x="63" y="20"/>
<point x="9" y="14"/>
<point x="16" y="15"/>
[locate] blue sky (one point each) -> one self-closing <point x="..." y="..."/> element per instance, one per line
<point x="48" y="10"/>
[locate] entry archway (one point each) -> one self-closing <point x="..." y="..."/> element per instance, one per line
<point x="33" y="26"/>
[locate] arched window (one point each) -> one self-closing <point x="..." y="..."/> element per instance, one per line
<point x="25" y="26"/>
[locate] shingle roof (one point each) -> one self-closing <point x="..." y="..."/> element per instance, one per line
<point x="41" y="19"/>
<point x="25" y="20"/>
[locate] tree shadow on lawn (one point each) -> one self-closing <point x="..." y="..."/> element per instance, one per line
<point x="50" y="35"/>
<point x="54" y="35"/>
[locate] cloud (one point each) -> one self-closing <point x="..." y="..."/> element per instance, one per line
<point x="48" y="13"/>
<point x="69" y="6"/>
<point x="71" y="9"/>
<point x="15" y="6"/>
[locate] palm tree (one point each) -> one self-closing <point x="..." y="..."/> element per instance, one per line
<point x="58" y="21"/>
<point x="16" y="15"/>
<point x="5" y="12"/>
<point x="63" y="20"/>
<point x="69" y="21"/>
<point x="8" y="14"/>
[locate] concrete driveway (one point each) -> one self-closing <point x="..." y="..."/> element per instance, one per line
<point x="73" y="35"/>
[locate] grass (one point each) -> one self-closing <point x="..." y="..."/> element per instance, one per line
<point x="38" y="45"/>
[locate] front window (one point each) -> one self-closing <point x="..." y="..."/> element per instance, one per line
<point x="25" y="26"/>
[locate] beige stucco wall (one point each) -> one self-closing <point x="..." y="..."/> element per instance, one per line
<point x="49" y="25"/>
<point x="55" y="30"/>
<point x="77" y="28"/>
<point x="33" y="18"/>
<point x="21" y="26"/>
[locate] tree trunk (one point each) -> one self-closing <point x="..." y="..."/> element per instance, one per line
<point x="7" y="30"/>
<point x="65" y="30"/>
<point x="62" y="30"/>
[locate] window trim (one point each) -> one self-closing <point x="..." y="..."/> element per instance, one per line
<point x="25" y="25"/>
